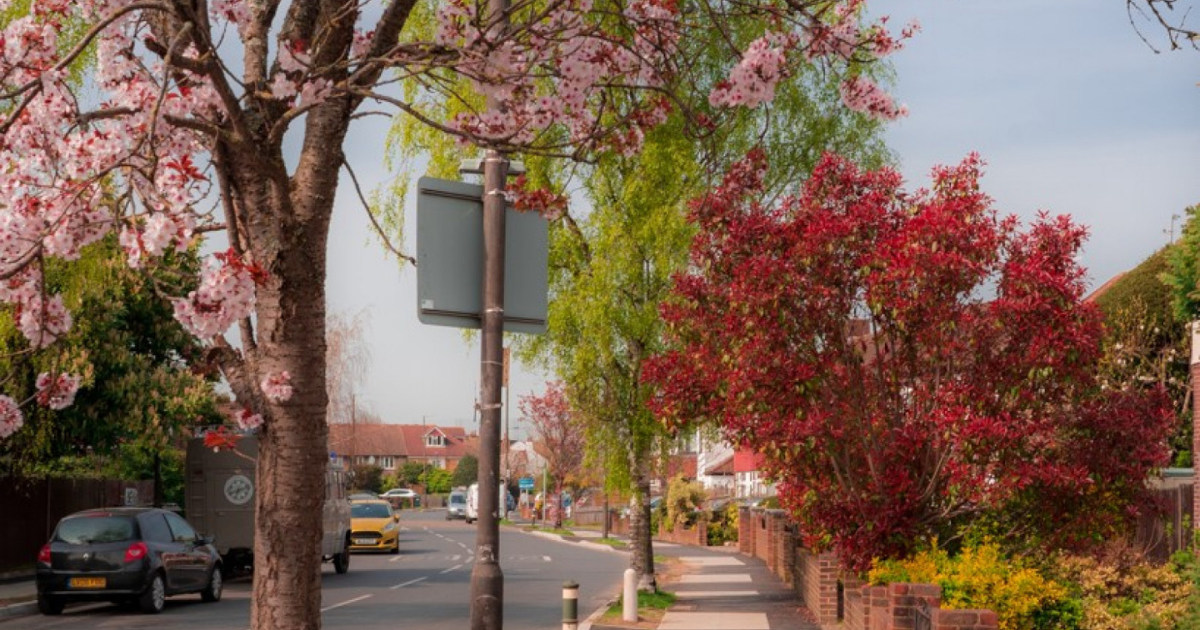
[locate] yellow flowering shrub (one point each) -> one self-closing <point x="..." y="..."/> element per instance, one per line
<point x="981" y="577"/>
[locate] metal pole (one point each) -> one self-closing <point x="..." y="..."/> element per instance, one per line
<point x="487" y="581"/>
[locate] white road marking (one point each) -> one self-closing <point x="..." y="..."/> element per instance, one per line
<point x="718" y="578"/>
<point x="345" y="603"/>
<point x="410" y="582"/>
<point x="710" y="561"/>
<point x="396" y="559"/>
<point x="457" y="566"/>
<point x="547" y="559"/>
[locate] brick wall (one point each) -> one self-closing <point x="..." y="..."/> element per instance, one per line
<point x="696" y="535"/>
<point x="769" y="536"/>
<point x="964" y="620"/>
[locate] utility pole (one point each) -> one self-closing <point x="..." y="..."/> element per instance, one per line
<point x="487" y="580"/>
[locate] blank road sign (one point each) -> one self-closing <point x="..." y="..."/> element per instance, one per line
<point x="450" y="259"/>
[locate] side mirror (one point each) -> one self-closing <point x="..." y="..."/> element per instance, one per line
<point x="396" y="518"/>
<point x="205" y="539"/>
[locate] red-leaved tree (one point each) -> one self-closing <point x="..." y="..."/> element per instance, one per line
<point x="907" y="362"/>
<point x="562" y="436"/>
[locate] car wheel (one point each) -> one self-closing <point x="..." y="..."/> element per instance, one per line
<point x="341" y="561"/>
<point x="212" y="592"/>
<point x="50" y="605"/>
<point x="155" y="598"/>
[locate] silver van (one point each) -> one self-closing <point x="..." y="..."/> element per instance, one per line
<point x="456" y="505"/>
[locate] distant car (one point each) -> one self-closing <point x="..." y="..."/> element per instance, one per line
<point x="374" y="526"/>
<point x="139" y="555"/>
<point x="399" y="496"/>
<point x="456" y="506"/>
<point x="363" y="496"/>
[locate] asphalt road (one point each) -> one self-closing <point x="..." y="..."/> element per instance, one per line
<point x="426" y="587"/>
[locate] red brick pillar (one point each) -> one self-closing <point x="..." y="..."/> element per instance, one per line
<point x="903" y="600"/>
<point x="858" y="605"/>
<point x="762" y="536"/>
<point x="1195" y="364"/>
<point x="878" y="608"/>
<point x="745" y="531"/>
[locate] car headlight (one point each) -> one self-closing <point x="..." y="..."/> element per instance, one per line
<point x="389" y="527"/>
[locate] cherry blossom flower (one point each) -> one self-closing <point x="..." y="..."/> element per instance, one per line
<point x="863" y="95"/>
<point x="57" y="392"/>
<point x="11" y="418"/>
<point x="277" y="386"/>
<point x="247" y="419"/>
<point x="225" y="295"/>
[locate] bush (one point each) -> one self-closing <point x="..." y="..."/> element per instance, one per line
<point x="1119" y="590"/>
<point x="723" y="527"/>
<point x="682" y="502"/>
<point x="981" y="577"/>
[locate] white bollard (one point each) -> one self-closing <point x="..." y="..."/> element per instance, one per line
<point x="629" y="612"/>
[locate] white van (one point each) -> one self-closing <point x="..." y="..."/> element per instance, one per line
<point x="472" y="503"/>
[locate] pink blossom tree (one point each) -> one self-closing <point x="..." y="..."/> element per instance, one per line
<point x="180" y="135"/>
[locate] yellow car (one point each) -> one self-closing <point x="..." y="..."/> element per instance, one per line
<point x="374" y="526"/>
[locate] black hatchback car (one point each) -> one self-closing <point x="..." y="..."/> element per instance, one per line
<point x="138" y="555"/>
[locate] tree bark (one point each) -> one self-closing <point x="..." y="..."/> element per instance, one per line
<point x="641" y="538"/>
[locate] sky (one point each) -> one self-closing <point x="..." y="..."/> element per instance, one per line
<point x="1072" y="112"/>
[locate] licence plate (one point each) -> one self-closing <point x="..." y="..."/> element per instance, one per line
<point x="87" y="582"/>
<point x="364" y="541"/>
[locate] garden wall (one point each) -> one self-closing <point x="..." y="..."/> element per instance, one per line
<point x="838" y="599"/>
<point x="695" y="535"/>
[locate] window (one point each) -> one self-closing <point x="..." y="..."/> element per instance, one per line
<point x="435" y="439"/>
<point x="85" y="530"/>
<point x="155" y="529"/>
<point x="387" y="463"/>
<point x="179" y="527"/>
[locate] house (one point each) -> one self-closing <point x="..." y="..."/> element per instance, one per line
<point x="440" y="447"/>
<point x="391" y="446"/>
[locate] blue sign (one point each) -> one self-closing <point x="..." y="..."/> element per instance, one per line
<point x="526" y="483"/>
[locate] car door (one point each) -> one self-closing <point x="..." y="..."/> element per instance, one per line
<point x="192" y="563"/>
<point x="160" y="542"/>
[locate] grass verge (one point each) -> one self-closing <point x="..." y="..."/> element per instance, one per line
<point x="651" y="608"/>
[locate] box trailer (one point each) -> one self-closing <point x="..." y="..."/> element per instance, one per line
<point x="219" y="494"/>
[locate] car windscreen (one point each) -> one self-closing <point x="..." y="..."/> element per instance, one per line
<point x="369" y="510"/>
<point x="458" y="499"/>
<point x="95" y="529"/>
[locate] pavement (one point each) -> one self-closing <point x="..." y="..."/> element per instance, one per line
<point x="18" y="594"/>
<point x="718" y="589"/>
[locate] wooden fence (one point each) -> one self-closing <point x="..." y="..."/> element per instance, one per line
<point x="1162" y="536"/>
<point x="32" y="508"/>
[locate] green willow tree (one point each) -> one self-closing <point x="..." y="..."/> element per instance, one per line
<point x="611" y="269"/>
<point x="612" y="254"/>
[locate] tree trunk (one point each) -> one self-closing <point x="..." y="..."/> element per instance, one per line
<point x="642" y="558"/>
<point x="286" y="230"/>
<point x="292" y="458"/>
